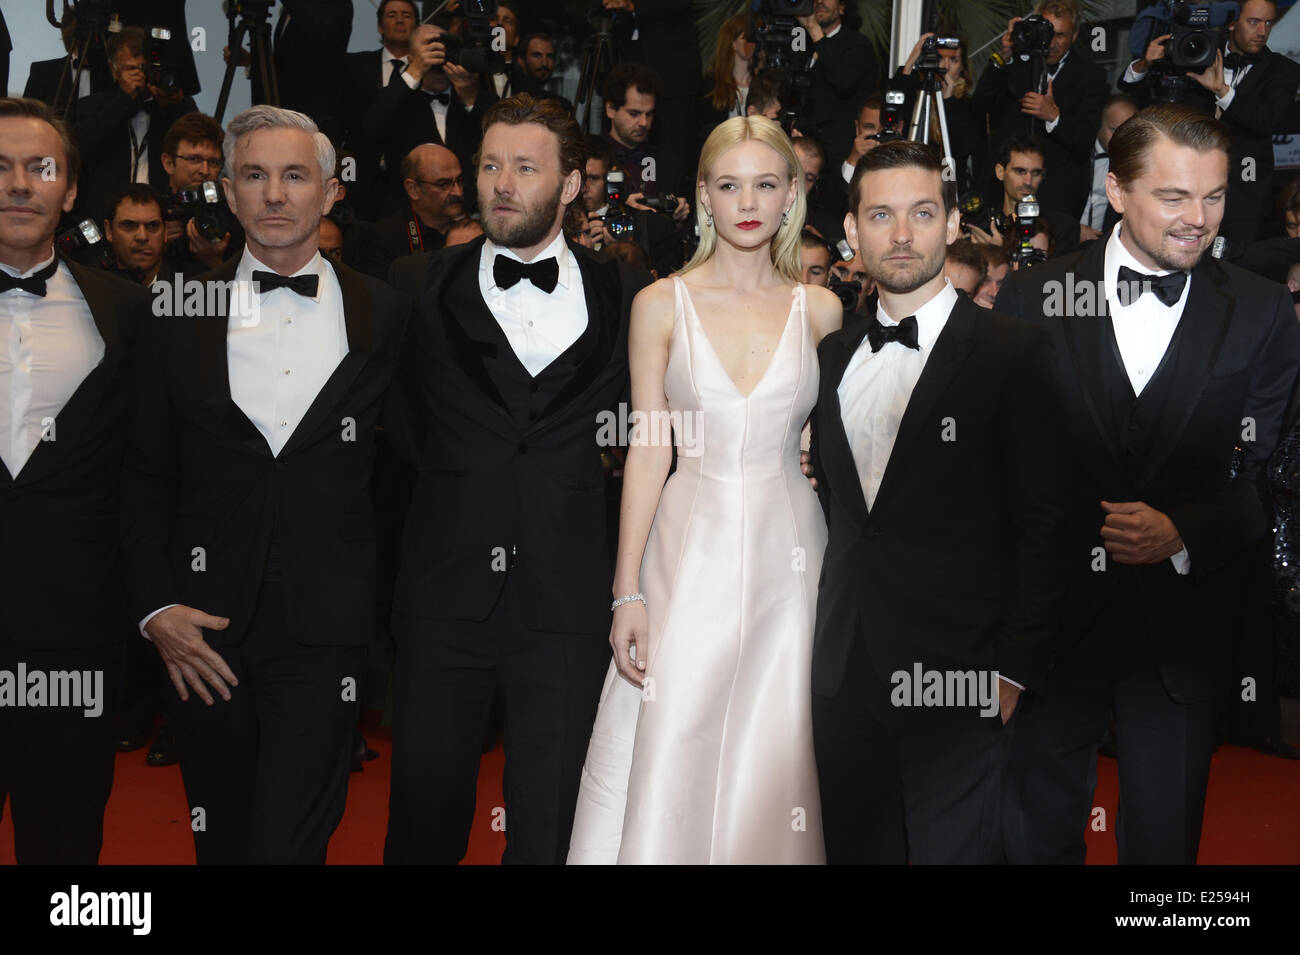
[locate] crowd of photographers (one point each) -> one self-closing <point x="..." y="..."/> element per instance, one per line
<point x="1026" y="142"/>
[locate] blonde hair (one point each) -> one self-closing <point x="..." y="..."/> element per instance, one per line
<point x="785" y="244"/>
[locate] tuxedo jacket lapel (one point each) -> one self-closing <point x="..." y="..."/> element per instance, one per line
<point x="1197" y="342"/>
<point x="950" y="350"/>
<point x="452" y="298"/>
<point x="85" y="400"/>
<point x="214" y="364"/>
<point x="833" y="441"/>
<point x="358" y="318"/>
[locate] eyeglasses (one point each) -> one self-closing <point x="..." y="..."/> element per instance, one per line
<point x="196" y="160"/>
<point x="441" y="184"/>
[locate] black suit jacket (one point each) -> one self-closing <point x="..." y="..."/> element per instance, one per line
<point x="667" y="43"/>
<point x="958" y="565"/>
<point x="102" y="135"/>
<point x="200" y="474"/>
<point x="309" y="51"/>
<point x="1080" y="91"/>
<point x="378" y="244"/>
<point x="362" y="72"/>
<point x="1238" y="349"/>
<point x="62" y="585"/>
<point x="43" y="80"/>
<point x="845" y="73"/>
<point x="485" y="481"/>
<point x="1254" y="115"/>
<point x="400" y="119"/>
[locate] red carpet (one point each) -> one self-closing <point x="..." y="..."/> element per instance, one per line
<point x="1251" y="814"/>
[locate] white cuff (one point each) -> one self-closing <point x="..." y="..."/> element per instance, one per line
<point x="1182" y="562"/>
<point x="1051" y="127"/>
<point x="1131" y="75"/>
<point x="1225" y="101"/>
<point x="1004" y="677"/>
<point x="411" y="81"/>
<point x="846" y="170"/>
<point x="150" y="617"/>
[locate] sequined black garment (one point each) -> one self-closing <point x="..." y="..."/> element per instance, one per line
<point x="1284" y="489"/>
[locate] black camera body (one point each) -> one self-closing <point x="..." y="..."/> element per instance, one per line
<point x="158" y="70"/>
<point x="783" y="8"/>
<point x="1025" y="226"/>
<point x="204" y="206"/>
<point x="847" y="291"/>
<point x="1032" y="36"/>
<point x="891" y="116"/>
<point x="975" y="212"/>
<point x="928" y="60"/>
<point x="1195" y="41"/>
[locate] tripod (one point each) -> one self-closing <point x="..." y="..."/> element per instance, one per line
<point x="88" y="43"/>
<point x="255" y="22"/>
<point x="597" y="60"/>
<point x="929" y="104"/>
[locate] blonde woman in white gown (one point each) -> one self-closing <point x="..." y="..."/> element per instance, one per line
<point x="702" y="751"/>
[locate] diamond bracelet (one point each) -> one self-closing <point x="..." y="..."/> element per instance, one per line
<point x="628" y="599"/>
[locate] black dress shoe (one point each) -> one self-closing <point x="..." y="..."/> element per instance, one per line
<point x="164" y="751"/>
<point x="133" y="735"/>
<point x="361" y="749"/>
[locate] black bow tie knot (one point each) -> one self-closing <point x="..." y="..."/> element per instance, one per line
<point x="34" y="283"/>
<point x="1133" y="284"/>
<point x="1235" y="61"/>
<point x="305" y="285"/>
<point x="545" y="273"/>
<point x="905" y="333"/>
<point x="443" y="98"/>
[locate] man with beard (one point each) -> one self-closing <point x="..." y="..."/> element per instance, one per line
<point x="517" y="350"/>
<point x="934" y="450"/>
<point x="1176" y="369"/>
<point x="435" y="193"/>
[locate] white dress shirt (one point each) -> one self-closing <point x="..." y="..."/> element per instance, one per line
<point x="47" y="348"/>
<point x="1143" y="330"/>
<point x="539" y="326"/>
<point x="1051" y="78"/>
<point x="1094" y="213"/>
<point x="877" y="386"/>
<point x="139" y="139"/>
<point x="387" y="66"/>
<point x="279" y="363"/>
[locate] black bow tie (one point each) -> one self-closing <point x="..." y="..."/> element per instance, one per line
<point x="1235" y="61"/>
<point x="302" y="284"/>
<point x="1100" y="155"/>
<point x="1133" y="284"/>
<point x="544" y="273"/>
<point x="905" y="333"/>
<point x="34" y="283"/>
<point x="443" y="98"/>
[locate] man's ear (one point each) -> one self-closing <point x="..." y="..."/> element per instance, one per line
<point x="1115" y="192"/>
<point x="851" y="231"/>
<point x="169" y="164"/>
<point x="610" y="111"/>
<point x="1000" y="171"/>
<point x="954" y="225"/>
<point x="572" y="187"/>
<point x="228" y="188"/>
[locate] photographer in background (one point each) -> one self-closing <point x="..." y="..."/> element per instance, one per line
<point x="866" y="137"/>
<point x="435" y="193"/>
<point x="965" y="267"/>
<point x="815" y="259"/>
<point x="1097" y="211"/>
<point x="1248" y="88"/>
<point x="120" y="132"/>
<point x="653" y="232"/>
<point x="1065" y="116"/>
<point x="959" y="113"/>
<point x="845" y="70"/>
<point x="191" y="156"/>
<point x="434" y="101"/>
<point x="1021" y="171"/>
<point x="135" y="233"/>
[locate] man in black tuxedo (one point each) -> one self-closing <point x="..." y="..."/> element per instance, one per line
<point x="66" y="340"/>
<point x="517" y="347"/>
<point x="934" y="449"/>
<point x="435" y="195"/>
<point x="43" y="76"/>
<point x="1065" y="118"/>
<point x="120" y="133"/>
<point x="1021" y="172"/>
<point x="1176" y="369"/>
<point x="433" y="102"/>
<point x="250" y="529"/>
<point x="845" y="71"/>
<point x="367" y="74"/>
<point x="1249" y="88"/>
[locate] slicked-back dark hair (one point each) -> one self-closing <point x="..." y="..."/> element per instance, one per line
<point x="1181" y="125"/>
<point x="624" y="77"/>
<point x="27" y="108"/>
<point x="902" y="154"/>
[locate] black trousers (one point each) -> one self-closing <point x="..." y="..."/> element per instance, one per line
<point x="906" y="784"/>
<point x="56" y="762"/>
<point x="266" y="774"/>
<point x="446" y="674"/>
<point x="1163" y="749"/>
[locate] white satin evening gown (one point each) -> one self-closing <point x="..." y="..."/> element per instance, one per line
<point x="713" y="761"/>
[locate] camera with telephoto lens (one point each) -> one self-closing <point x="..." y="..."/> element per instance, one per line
<point x="1032" y="36"/>
<point x="846" y="291"/>
<point x="665" y="202"/>
<point x="158" y="70"/>
<point x="473" y="52"/>
<point x="1195" y="41"/>
<point x="204" y="206"/>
